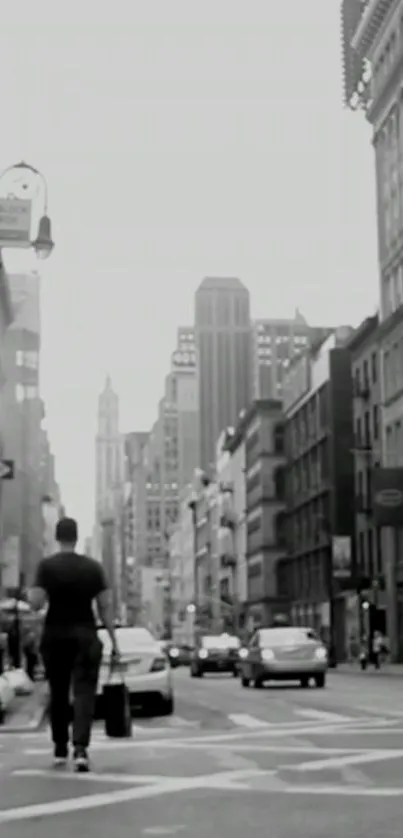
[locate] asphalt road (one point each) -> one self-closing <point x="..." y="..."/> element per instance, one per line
<point x="283" y="760"/>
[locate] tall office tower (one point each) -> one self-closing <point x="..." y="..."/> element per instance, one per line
<point x="109" y="461"/>
<point x="172" y="450"/>
<point x="275" y="344"/>
<point x="224" y="359"/>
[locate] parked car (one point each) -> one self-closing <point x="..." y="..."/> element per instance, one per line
<point x="284" y="654"/>
<point x="180" y="655"/>
<point x="145" y="669"/>
<point x="215" y="653"/>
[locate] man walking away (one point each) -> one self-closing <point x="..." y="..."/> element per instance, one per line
<point x="70" y="648"/>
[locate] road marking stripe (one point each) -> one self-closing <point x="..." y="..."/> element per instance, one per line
<point x="123" y="779"/>
<point x="340" y="791"/>
<point x="348" y="759"/>
<point x="95" y="801"/>
<point x="322" y="716"/>
<point x="245" y="720"/>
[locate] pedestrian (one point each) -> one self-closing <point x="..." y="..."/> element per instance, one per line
<point x="3" y="650"/>
<point x="29" y="648"/>
<point x="364" y="652"/>
<point x="71" y="583"/>
<point x="14" y="643"/>
<point x="377" y="646"/>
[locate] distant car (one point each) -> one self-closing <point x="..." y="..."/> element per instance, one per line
<point x="284" y="654"/>
<point x="145" y="669"/>
<point x="215" y="653"/>
<point x="180" y="655"/>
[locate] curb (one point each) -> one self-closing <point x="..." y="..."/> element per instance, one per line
<point x="36" y="720"/>
<point x="368" y="673"/>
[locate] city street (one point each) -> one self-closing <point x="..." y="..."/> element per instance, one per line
<point x="229" y="760"/>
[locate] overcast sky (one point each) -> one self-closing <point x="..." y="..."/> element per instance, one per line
<point x="200" y="139"/>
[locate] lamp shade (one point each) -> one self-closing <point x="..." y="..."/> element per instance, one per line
<point x="44" y="243"/>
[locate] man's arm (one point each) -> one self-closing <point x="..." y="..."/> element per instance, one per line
<point x="104" y="608"/>
<point x="37" y="595"/>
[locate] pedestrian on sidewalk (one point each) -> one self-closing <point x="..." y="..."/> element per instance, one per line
<point x="71" y="651"/>
<point x="30" y="652"/>
<point x="377" y="646"/>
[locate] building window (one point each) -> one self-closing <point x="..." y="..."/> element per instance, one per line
<point x="375" y="421"/>
<point x="23" y="393"/>
<point x="27" y="359"/>
<point x="374" y="367"/>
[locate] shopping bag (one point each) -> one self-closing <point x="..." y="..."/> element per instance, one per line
<point x="116" y="703"/>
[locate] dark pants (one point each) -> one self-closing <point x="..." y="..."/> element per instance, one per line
<point x="72" y="663"/>
<point x="31" y="661"/>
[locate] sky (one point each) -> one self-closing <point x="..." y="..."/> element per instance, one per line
<point x="179" y="140"/>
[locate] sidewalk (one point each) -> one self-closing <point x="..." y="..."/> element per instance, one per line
<point x="26" y="712"/>
<point x="389" y="670"/>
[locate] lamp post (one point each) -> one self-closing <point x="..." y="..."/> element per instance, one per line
<point x="24" y="182"/>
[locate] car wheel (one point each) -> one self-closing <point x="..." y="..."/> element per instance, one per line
<point x="258" y="684"/>
<point x="245" y="682"/>
<point x="320" y="681"/>
<point x="304" y="683"/>
<point x="167" y="706"/>
<point x="235" y="673"/>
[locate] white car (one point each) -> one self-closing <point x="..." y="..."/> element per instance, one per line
<point x="145" y="669"/>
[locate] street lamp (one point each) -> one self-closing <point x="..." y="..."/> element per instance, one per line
<point x="20" y="177"/>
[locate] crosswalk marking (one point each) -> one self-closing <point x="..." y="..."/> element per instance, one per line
<point x="322" y="716"/>
<point x="244" y="720"/>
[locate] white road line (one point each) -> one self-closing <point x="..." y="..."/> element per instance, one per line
<point x="167" y="785"/>
<point x="322" y="716"/>
<point x="339" y="791"/>
<point x="348" y="759"/>
<point x="123" y="779"/>
<point x="244" y="720"/>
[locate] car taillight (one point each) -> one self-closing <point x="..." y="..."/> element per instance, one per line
<point x="159" y="664"/>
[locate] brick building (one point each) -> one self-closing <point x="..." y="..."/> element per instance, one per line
<point x="318" y="406"/>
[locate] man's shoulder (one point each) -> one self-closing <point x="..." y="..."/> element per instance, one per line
<point x="92" y="564"/>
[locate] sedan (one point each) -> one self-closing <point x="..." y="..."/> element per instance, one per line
<point x="284" y="654"/>
<point x="180" y="655"/>
<point x="145" y="669"/>
<point x="215" y="653"/>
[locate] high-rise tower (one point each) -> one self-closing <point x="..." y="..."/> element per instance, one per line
<point x="224" y="359"/>
<point x="109" y="460"/>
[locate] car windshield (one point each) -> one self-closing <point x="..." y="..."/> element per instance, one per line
<point x="287" y="636"/>
<point x="221" y="641"/>
<point x="128" y="639"/>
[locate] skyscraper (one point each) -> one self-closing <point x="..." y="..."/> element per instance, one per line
<point x="109" y="460"/>
<point x="224" y="358"/>
<point x="275" y="344"/>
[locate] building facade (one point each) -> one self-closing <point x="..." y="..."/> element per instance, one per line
<point x="182" y="572"/>
<point x="373" y="68"/>
<point x="275" y="344"/>
<point x="318" y="572"/>
<point x="171" y="453"/>
<point x="262" y="430"/>
<point x="232" y="533"/>
<point x="370" y="571"/>
<point x="23" y="412"/>
<point x="7" y="571"/>
<point x="224" y="359"/>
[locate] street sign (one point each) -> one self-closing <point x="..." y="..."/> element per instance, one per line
<point x="15" y="222"/>
<point x="6" y="469"/>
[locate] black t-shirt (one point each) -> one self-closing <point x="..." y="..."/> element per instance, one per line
<point x="71" y="581"/>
